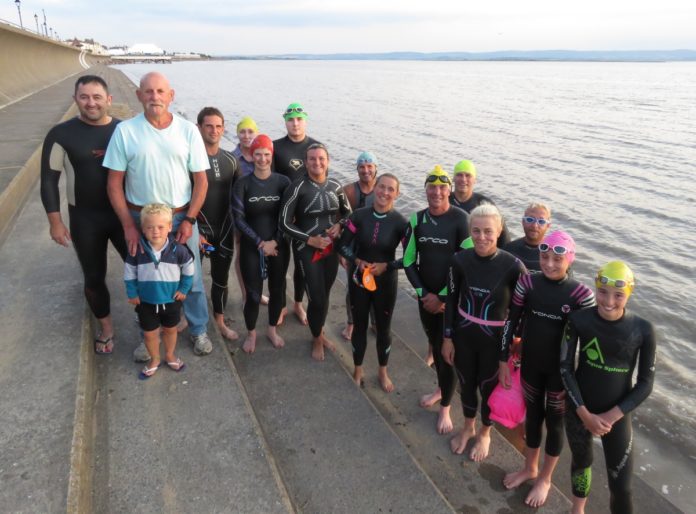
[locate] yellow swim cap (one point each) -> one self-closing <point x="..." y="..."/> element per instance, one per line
<point x="465" y="167"/>
<point x="437" y="177"/>
<point x="247" y="123"/>
<point x="616" y="274"/>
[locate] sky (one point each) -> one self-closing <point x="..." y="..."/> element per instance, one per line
<point x="262" y="27"/>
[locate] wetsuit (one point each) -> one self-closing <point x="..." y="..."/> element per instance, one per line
<point x="373" y="237"/>
<point x="256" y="207"/>
<point x="609" y="352"/>
<point x="474" y="201"/>
<point x="430" y="243"/>
<point x="247" y="167"/>
<point x="309" y="209"/>
<point x="480" y="289"/>
<point x="289" y="160"/>
<point x="78" y="149"/>
<point x="544" y="304"/>
<point x="528" y="254"/>
<point x="215" y="223"/>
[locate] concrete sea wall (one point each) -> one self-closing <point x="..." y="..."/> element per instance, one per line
<point x="29" y="63"/>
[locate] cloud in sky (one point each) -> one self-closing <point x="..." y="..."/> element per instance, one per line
<point x="256" y="27"/>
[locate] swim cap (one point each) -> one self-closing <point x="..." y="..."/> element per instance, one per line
<point x="247" y="123"/>
<point x="561" y="243"/>
<point x="437" y="177"/>
<point x="465" y="167"/>
<point x="294" y="110"/>
<point x="366" y="158"/>
<point x="617" y="274"/>
<point x="261" y="141"/>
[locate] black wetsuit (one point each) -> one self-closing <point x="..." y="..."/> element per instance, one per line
<point x="474" y="201"/>
<point x="480" y="289"/>
<point x="289" y="160"/>
<point x="215" y="223"/>
<point x="78" y="149"/>
<point x="373" y="237"/>
<point x="430" y="243"/>
<point x="529" y="255"/>
<point x="544" y="305"/>
<point x="256" y="207"/>
<point x="309" y="209"/>
<point x="603" y="379"/>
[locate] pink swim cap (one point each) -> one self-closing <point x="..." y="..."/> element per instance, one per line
<point x="560" y="243"/>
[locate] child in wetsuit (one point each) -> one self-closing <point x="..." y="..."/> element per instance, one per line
<point x="157" y="281"/>
<point x="601" y="392"/>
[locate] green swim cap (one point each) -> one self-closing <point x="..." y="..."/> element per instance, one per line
<point x="437" y="177"/>
<point x="465" y="167"/>
<point x="294" y="110"/>
<point x="616" y="274"/>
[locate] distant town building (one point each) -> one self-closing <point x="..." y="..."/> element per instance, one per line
<point x="145" y="49"/>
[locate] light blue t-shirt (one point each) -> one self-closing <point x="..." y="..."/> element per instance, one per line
<point x="157" y="161"/>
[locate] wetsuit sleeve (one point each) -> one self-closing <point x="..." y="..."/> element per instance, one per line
<point x="452" y="298"/>
<point x="646" y="371"/>
<point x="343" y="203"/>
<point x="52" y="159"/>
<point x="504" y="237"/>
<point x="238" y="211"/>
<point x="185" y="259"/>
<point x="287" y="212"/>
<point x="569" y="345"/>
<point x="514" y="315"/>
<point x="463" y="237"/>
<point x="130" y="276"/>
<point x="411" y="257"/>
<point x="345" y="244"/>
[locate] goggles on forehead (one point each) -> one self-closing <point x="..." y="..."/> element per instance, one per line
<point x="291" y="110"/>
<point x="438" y="180"/>
<point x="557" y="249"/>
<point x="615" y="282"/>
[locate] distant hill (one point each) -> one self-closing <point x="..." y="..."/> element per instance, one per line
<point x="512" y="55"/>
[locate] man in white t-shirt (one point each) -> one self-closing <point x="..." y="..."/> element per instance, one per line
<point x="160" y="158"/>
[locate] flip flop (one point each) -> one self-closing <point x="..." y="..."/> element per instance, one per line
<point x="177" y="365"/>
<point x="146" y="372"/>
<point x="106" y="341"/>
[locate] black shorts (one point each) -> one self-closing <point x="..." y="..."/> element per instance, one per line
<point x="152" y="316"/>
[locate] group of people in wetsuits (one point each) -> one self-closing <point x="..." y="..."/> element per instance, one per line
<point x="476" y="299"/>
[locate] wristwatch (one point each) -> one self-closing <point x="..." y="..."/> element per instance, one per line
<point x="190" y="219"/>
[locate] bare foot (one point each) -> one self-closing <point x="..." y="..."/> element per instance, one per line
<point x="444" y="422"/>
<point x="275" y="339"/>
<point x="517" y="478"/>
<point x="347" y="332"/>
<point x="429" y="358"/>
<point x="281" y="318"/>
<point x="317" y="349"/>
<point x="428" y="400"/>
<point x="182" y="325"/>
<point x="227" y="332"/>
<point x="328" y="343"/>
<point x="358" y="376"/>
<point x="537" y="496"/>
<point x="300" y="313"/>
<point x="264" y="299"/>
<point x="458" y="442"/>
<point x="250" y="343"/>
<point x="384" y="380"/>
<point x="480" y="450"/>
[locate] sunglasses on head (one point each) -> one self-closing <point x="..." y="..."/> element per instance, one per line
<point x="431" y="179"/>
<point x="557" y="249"/>
<point x="298" y="110"/>
<point x="531" y="219"/>
<point x="616" y="282"/>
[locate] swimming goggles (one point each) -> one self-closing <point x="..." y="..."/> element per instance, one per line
<point x="615" y="282"/>
<point x="298" y="110"/>
<point x="539" y="221"/>
<point x="433" y="179"/>
<point x="557" y="249"/>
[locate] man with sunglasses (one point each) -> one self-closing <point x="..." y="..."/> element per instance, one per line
<point x="464" y="197"/>
<point x="535" y="223"/>
<point x="432" y="237"/>
<point x="289" y="159"/>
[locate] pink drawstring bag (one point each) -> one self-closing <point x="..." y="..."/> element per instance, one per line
<point x="507" y="405"/>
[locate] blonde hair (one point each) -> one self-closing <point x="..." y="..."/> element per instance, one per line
<point x="485" y="210"/>
<point x="538" y="205"/>
<point x="156" y="208"/>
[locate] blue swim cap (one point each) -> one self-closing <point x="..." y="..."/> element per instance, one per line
<point x="366" y="158"/>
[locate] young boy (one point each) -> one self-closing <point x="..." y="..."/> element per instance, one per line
<point x="157" y="281"/>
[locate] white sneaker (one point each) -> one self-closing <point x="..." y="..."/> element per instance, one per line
<point x="140" y="354"/>
<point x="202" y="345"/>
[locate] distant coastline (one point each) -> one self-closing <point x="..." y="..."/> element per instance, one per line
<point x="534" y="55"/>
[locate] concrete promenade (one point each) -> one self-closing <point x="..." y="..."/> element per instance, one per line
<point x="270" y="432"/>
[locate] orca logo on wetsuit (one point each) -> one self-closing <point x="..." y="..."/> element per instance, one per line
<point x="253" y="199"/>
<point x="435" y="240"/>
<point x="296" y="164"/>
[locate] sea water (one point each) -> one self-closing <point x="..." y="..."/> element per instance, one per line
<point x="611" y="147"/>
